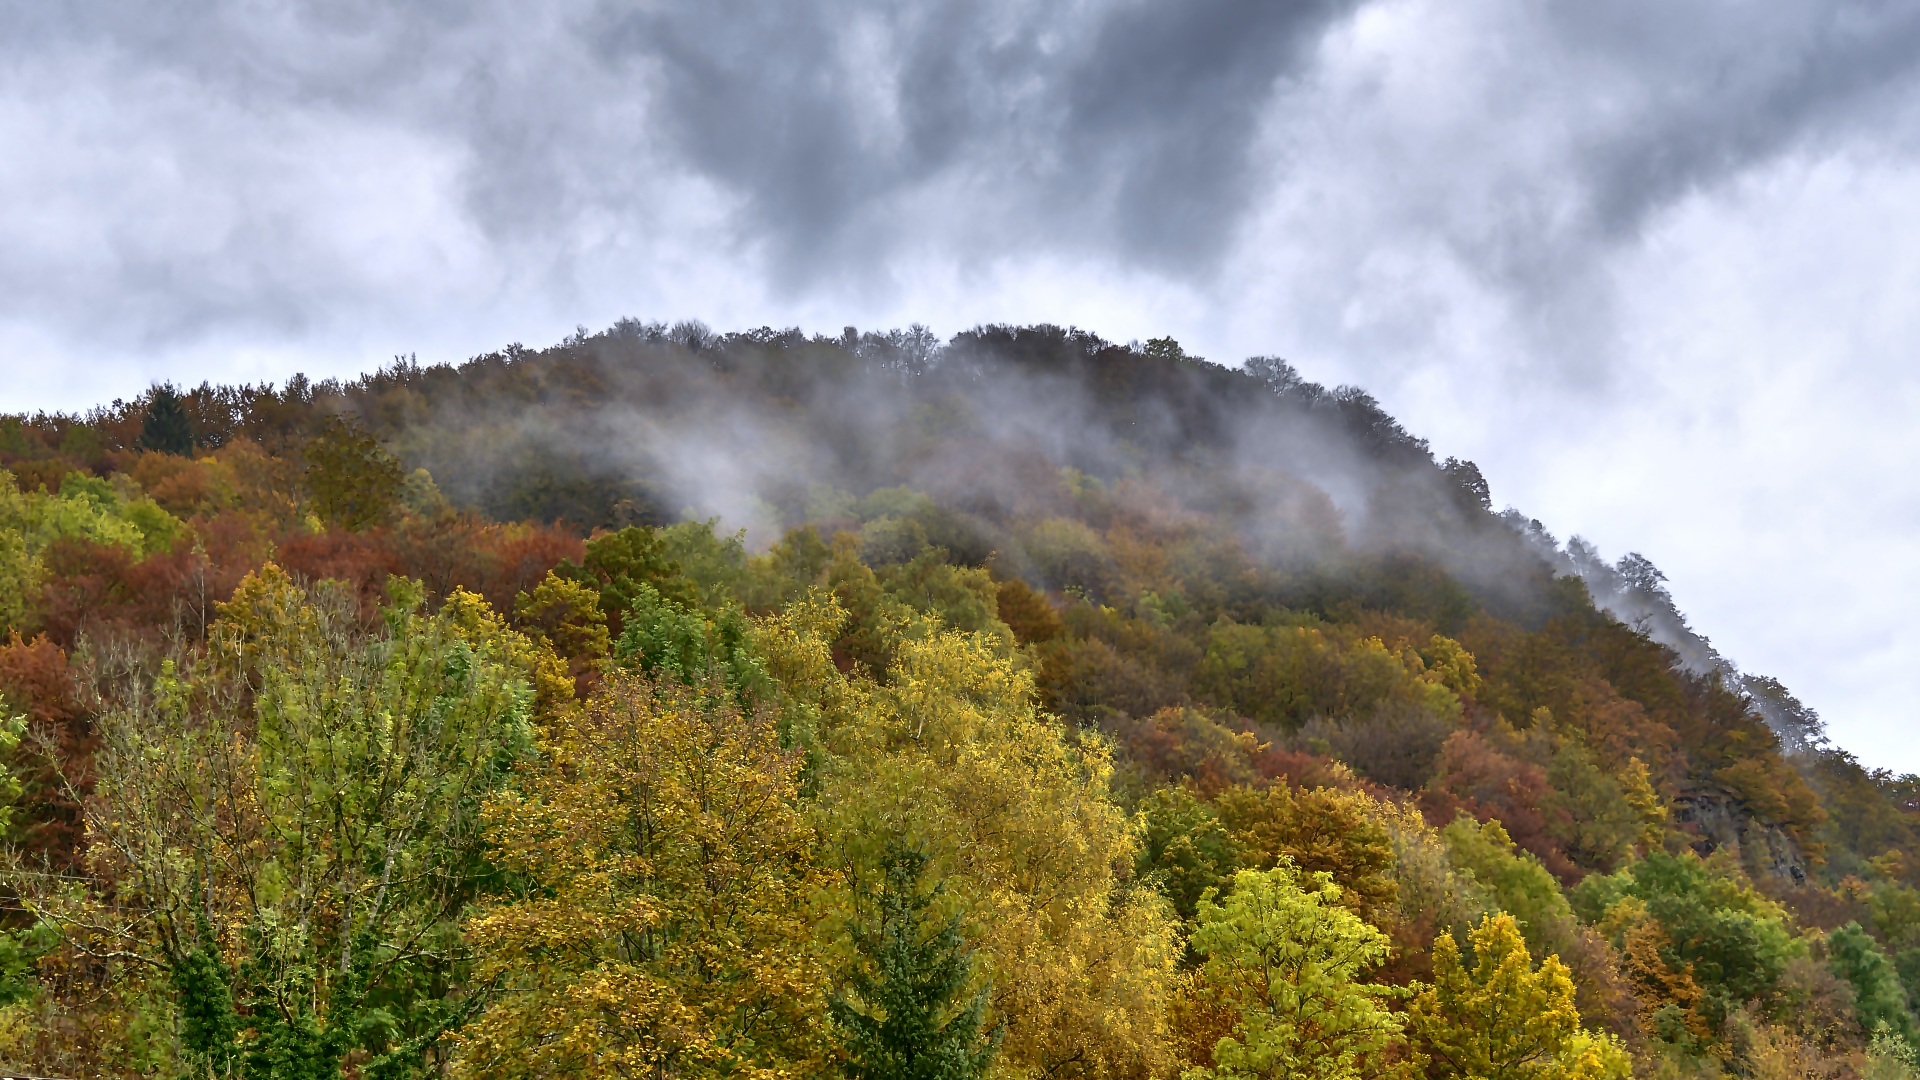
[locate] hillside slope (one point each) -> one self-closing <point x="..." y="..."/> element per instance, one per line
<point x="1274" y="631"/>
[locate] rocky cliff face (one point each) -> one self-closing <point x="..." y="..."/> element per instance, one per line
<point x="1718" y="822"/>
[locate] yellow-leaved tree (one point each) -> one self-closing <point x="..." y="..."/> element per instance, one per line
<point x="951" y="756"/>
<point x="662" y="926"/>
<point x="1504" y="1019"/>
<point x="1285" y="963"/>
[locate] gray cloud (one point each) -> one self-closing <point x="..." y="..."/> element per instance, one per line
<point x="1713" y="89"/>
<point x="825" y="140"/>
<point x="1166" y="104"/>
<point x="1125" y="121"/>
<point x="1121" y="130"/>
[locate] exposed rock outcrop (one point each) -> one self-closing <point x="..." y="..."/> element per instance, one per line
<point x="1719" y="822"/>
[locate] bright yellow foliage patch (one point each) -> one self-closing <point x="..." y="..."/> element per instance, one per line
<point x="664" y="930"/>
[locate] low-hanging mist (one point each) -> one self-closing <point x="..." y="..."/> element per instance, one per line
<point x="768" y="430"/>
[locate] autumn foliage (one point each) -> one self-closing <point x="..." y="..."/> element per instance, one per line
<point x="401" y="728"/>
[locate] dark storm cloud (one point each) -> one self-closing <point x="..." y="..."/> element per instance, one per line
<point x="1517" y="151"/>
<point x="1114" y="130"/>
<point x="1165" y="107"/>
<point x="1128" y="121"/>
<point x="220" y="158"/>
<point x="1712" y="89"/>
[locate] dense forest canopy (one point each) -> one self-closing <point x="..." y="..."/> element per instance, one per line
<point x="671" y="703"/>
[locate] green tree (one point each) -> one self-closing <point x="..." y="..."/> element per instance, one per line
<point x="20" y="947"/>
<point x="1695" y="936"/>
<point x="1504" y="1019"/>
<point x="11" y="729"/>
<point x="422" y="497"/>
<point x="688" y="645"/>
<point x="962" y="598"/>
<point x="1166" y="348"/>
<point x="900" y="1019"/>
<point x="1598" y="824"/>
<point x="289" y="824"/>
<point x="716" y="563"/>
<point x="19" y="559"/>
<point x="618" y="564"/>
<point x="166" y="427"/>
<point x="86" y="508"/>
<point x="1289" y="959"/>
<point x="1519" y="884"/>
<point x="203" y="985"/>
<point x="1185" y="850"/>
<point x="1890" y="1057"/>
<point x="1895" y="910"/>
<point x="352" y="479"/>
<point x="1879" y="997"/>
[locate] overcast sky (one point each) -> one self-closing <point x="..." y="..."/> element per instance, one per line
<point x="1654" y="266"/>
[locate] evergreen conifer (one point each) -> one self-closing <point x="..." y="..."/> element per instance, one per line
<point x="167" y="428"/>
<point x="204" y="987"/>
<point x="900" y="1020"/>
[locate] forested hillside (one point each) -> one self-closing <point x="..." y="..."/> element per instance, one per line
<point x="673" y="704"/>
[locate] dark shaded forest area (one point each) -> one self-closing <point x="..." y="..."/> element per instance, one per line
<point x="670" y="703"/>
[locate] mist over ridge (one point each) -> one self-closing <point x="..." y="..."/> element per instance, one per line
<point x="767" y="430"/>
<point x="763" y="431"/>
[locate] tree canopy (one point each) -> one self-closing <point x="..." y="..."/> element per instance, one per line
<point x="1027" y="705"/>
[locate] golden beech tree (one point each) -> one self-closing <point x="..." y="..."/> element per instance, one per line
<point x="663" y="927"/>
<point x="1637" y="784"/>
<point x="951" y="755"/>
<point x="565" y="616"/>
<point x="1318" y="829"/>
<point x="1503" y="1019"/>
